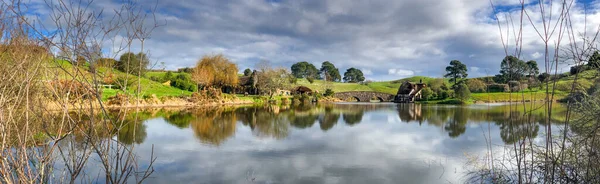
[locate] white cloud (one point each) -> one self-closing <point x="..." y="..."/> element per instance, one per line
<point x="367" y="72"/>
<point x="372" y="35"/>
<point x="401" y="72"/>
<point x="536" y="55"/>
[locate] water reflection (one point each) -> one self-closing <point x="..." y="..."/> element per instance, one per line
<point x="327" y="143"/>
<point x="216" y="125"/>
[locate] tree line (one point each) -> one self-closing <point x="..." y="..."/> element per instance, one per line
<point x="327" y="72"/>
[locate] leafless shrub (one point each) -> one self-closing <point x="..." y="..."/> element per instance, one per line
<point x="40" y="143"/>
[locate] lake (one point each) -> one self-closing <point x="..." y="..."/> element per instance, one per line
<point x="328" y="143"/>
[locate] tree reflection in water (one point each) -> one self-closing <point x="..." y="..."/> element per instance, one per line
<point x="215" y="125"/>
<point x="328" y="119"/>
<point x="352" y="118"/>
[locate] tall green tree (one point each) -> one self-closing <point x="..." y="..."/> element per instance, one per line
<point x="133" y="63"/>
<point x="329" y="72"/>
<point x="512" y="69"/>
<point x="247" y="72"/>
<point x="304" y="70"/>
<point x="532" y="68"/>
<point x="594" y="60"/>
<point x="353" y="75"/>
<point x="456" y="71"/>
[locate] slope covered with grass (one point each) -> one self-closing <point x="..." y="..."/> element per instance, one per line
<point x="64" y="70"/>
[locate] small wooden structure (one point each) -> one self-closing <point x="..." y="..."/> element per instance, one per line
<point x="409" y="92"/>
<point x="300" y="90"/>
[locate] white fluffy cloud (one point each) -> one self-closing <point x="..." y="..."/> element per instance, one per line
<point x="401" y="72"/>
<point x="377" y="36"/>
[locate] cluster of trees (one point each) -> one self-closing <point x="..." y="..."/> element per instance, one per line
<point x="327" y="72"/>
<point x="514" y="69"/>
<point x="437" y="89"/>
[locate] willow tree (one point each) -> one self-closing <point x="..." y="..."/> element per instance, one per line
<point x="215" y="71"/>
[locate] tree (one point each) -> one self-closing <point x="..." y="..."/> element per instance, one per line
<point x="462" y="92"/>
<point x="247" y="72"/>
<point x="304" y="70"/>
<point x="271" y="79"/>
<point x="215" y="70"/>
<point x="456" y="71"/>
<point x="133" y="63"/>
<point x="329" y="72"/>
<point x="353" y="75"/>
<point x="594" y="60"/>
<point x="543" y="77"/>
<point x="532" y="68"/>
<point x="511" y="69"/>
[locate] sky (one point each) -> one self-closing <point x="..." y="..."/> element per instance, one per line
<point x="387" y="40"/>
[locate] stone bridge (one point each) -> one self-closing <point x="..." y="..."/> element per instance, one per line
<point x="364" y="96"/>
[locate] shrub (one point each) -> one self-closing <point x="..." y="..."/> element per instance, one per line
<point x="463" y="93"/>
<point x="427" y="94"/>
<point x="543" y="77"/>
<point x="443" y="94"/>
<point x="578" y="69"/>
<point x="74" y="89"/>
<point x="476" y="85"/>
<point x="498" y="88"/>
<point x="310" y="79"/>
<point x="157" y="79"/>
<point x="285" y="100"/>
<point x="329" y="92"/>
<point x="123" y="81"/>
<point x="515" y="86"/>
<point x="293" y="80"/>
<point x="304" y="98"/>
<point x="118" y="99"/>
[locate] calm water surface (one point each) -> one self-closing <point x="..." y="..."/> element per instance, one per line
<point x="334" y="143"/>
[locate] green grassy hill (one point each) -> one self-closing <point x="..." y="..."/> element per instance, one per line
<point x="65" y="70"/>
<point x="335" y="86"/>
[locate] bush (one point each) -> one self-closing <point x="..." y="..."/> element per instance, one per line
<point x="183" y="82"/>
<point x="304" y="98"/>
<point x="329" y="92"/>
<point x="463" y="93"/>
<point x="122" y="82"/>
<point x="543" y="77"/>
<point x="476" y="85"/>
<point x="285" y="100"/>
<point x="498" y="88"/>
<point x="578" y="69"/>
<point x="427" y="94"/>
<point x="157" y="79"/>
<point x="310" y="79"/>
<point x="445" y="94"/>
<point x="515" y="86"/>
